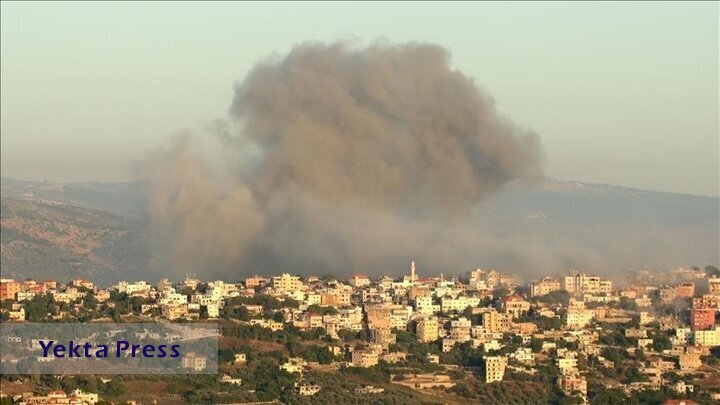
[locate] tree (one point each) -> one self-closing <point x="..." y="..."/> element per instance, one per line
<point x="536" y="344"/>
<point x="556" y="297"/>
<point x="661" y="342"/>
<point x="628" y="304"/>
<point x="322" y="310"/>
<point x="464" y="391"/>
<point x="712" y="271"/>
<point x="609" y="397"/>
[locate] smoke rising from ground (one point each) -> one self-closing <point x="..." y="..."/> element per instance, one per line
<point x="338" y="160"/>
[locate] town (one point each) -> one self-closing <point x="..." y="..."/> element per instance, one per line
<point x="479" y="336"/>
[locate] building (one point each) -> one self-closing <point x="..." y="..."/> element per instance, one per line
<point x="81" y="282"/>
<point x="383" y="337"/>
<point x="449" y="304"/>
<point x="256" y="281"/>
<point x="578" y="317"/>
<point x="379" y="316"/>
<point x="706" y="301"/>
<point x="646" y="318"/>
<point x="359" y="280"/>
<point x="494" y="368"/>
<point x="477" y="279"/>
<point x="708" y="338"/>
<point x="685" y="290"/>
<point x="544" y="287"/>
<point x="714" y="286"/>
<point x="515" y="305"/>
<point x="307" y="390"/>
<point x="16" y="314"/>
<point x="8" y="289"/>
<point x="496" y="322"/>
<point x="364" y="358"/>
<point x="567" y="365"/>
<point x="193" y="361"/>
<point x="286" y="283"/>
<point x="689" y="361"/>
<point x="293" y="365"/>
<point x="584" y="284"/>
<point x="572" y="384"/>
<point x="702" y="319"/>
<point x="226" y="379"/>
<point x="425" y="305"/>
<point x="427" y="329"/>
<point x="682" y="388"/>
<point x="173" y="312"/>
<point x="240" y="358"/>
<point x="139" y="287"/>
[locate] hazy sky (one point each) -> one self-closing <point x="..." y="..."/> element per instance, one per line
<point x="620" y="93"/>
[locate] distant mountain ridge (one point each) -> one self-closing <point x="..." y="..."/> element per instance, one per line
<point x="124" y="198"/>
<point x="61" y="230"/>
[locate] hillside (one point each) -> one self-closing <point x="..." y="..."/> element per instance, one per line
<point x="52" y="240"/>
<point x="57" y="230"/>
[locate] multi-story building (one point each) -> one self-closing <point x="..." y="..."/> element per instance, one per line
<point x="427" y="329"/>
<point x="139" y="287"/>
<point x="702" y="319"/>
<point x="364" y="358"/>
<point x="460" y="329"/>
<point x="714" y="286"/>
<point x="583" y="284"/>
<point x="567" y="365"/>
<point x="379" y="316"/>
<point x="706" y="301"/>
<point x="163" y="284"/>
<point x="477" y="279"/>
<point x="286" y="283"/>
<point x="494" y="368"/>
<point x="448" y="304"/>
<point x="194" y="361"/>
<point x="424" y="305"/>
<point x="544" y="287"/>
<point x="493" y="279"/>
<point x="382" y="337"/>
<point x="173" y="312"/>
<point x="496" y="322"/>
<point x="8" y="289"/>
<point x="606" y="287"/>
<point x="578" y="317"/>
<point x="685" y="290"/>
<point x="708" y="338"/>
<point x="571" y="384"/>
<point x="515" y="305"/>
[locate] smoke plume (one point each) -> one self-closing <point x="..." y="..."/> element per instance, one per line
<point x="337" y="160"/>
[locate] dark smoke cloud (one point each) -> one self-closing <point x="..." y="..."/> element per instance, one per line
<point x="339" y="160"/>
<point x="390" y="127"/>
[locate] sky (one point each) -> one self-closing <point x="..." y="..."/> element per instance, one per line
<point x="620" y="93"/>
